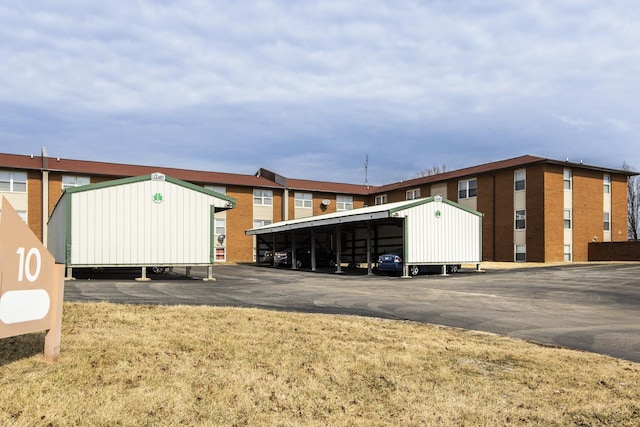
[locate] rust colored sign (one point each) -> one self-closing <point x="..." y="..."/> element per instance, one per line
<point x="31" y="284"/>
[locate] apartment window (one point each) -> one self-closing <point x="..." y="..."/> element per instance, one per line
<point x="520" y="253"/>
<point x="567" y="252"/>
<point x="520" y="219"/>
<point x="567" y="219"/>
<point x="519" y="178"/>
<point x="13" y="182"/>
<point x="303" y="200"/>
<point x="467" y="188"/>
<point x="261" y="222"/>
<point x="607" y="221"/>
<point x="413" y="194"/>
<point x="262" y="197"/>
<point x="344" y="203"/>
<point x="607" y="184"/>
<point x="217" y="189"/>
<point x="220" y="226"/>
<point x="381" y="200"/>
<point x="71" y="181"/>
<point x="567" y="179"/>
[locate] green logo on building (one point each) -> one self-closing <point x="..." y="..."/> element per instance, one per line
<point x="157" y="198"/>
<point x="438" y="214"/>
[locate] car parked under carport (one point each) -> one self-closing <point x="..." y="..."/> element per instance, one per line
<point x="433" y="231"/>
<point x="392" y="263"/>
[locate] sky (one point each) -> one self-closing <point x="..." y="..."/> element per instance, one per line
<point x="319" y="89"/>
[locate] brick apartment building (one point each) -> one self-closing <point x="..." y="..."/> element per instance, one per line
<point x="535" y="209"/>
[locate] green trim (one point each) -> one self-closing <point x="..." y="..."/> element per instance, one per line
<point x="212" y="232"/>
<point x="417" y="202"/>
<point x="67" y="256"/>
<point x="142" y="178"/>
<point x="481" y="218"/>
<point x="405" y="247"/>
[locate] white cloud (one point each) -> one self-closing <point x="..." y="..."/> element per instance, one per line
<point x="620" y="125"/>
<point x="471" y="81"/>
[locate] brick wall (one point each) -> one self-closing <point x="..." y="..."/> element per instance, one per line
<point x="34" y="202"/>
<point x="619" y="225"/>
<point x="535" y="214"/>
<point x="239" y="219"/>
<point x="486" y="206"/>
<point x="553" y="213"/>
<point x="614" y="251"/>
<point x="504" y="216"/>
<point x="55" y="190"/>
<point x="587" y="197"/>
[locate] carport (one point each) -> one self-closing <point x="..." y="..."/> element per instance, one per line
<point x="144" y="221"/>
<point x="430" y="231"/>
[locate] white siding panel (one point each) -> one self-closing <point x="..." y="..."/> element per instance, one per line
<point x="453" y="237"/>
<point x="122" y="225"/>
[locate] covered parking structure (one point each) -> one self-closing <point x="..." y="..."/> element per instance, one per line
<point x="429" y="231"/>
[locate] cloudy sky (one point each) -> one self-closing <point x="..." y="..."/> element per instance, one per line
<point x="309" y="89"/>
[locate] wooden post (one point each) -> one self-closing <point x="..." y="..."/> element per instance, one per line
<point x="54" y="334"/>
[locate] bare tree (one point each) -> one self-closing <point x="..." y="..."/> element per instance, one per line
<point x="434" y="170"/>
<point x="633" y="203"/>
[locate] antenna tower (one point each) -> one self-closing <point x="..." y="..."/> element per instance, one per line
<point x="366" y="170"/>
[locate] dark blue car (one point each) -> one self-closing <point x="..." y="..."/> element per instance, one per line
<point x="391" y="263"/>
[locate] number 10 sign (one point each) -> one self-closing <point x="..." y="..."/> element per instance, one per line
<point x="31" y="284"/>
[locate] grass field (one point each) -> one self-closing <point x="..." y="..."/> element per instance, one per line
<point x="156" y="365"/>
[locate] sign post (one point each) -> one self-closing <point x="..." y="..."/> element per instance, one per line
<point x="31" y="284"/>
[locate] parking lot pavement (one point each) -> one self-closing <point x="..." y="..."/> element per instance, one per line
<point x="591" y="307"/>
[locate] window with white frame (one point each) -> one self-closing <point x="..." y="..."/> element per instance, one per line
<point x="262" y="197"/>
<point x="220" y="226"/>
<point x="567" y="179"/>
<point x="344" y="203"/>
<point x="520" y="253"/>
<point x="467" y="188"/>
<point x="13" y="182"/>
<point x="413" y="194"/>
<point x="607" y="221"/>
<point x="217" y="188"/>
<point x="567" y="219"/>
<point x="567" y="252"/>
<point x="520" y="180"/>
<point x="261" y="222"/>
<point x="71" y="181"/>
<point x="303" y="200"/>
<point x="381" y="200"/>
<point x="607" y="184"/>
<point x="520" y="220"/>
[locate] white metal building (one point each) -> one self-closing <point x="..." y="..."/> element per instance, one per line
<point x="150" y="220"/>
<point x="431" y="231"/>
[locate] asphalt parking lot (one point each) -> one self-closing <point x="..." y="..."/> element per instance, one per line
<point x="590" y="307"/>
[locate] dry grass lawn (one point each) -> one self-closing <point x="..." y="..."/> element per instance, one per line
<point x="156" y="365"/>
